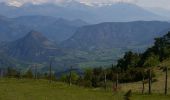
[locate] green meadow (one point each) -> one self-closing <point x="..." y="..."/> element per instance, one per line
<point x="26" y="89"/>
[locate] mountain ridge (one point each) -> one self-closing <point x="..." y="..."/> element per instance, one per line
<point x="53" y="28"/>
<point x="114" y="12"/>
<point x="110" y="34"/>
<point x="34" y="46"/>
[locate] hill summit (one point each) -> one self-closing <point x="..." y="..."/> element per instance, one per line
<point x="37" y="39"/>
<point x="34" y="46"/>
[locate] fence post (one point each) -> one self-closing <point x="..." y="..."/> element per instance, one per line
<point x="50" y="70"/>
<point x="166" y="80"/>
<point x="1" y="72"/>
<point x="35" y="66"/>
<point x="143" y="85"/>
<point x="105" y="80"/>
<point x="70" y="76"/>
<point x="117" y="81"/>
<point x="150" y="81"/>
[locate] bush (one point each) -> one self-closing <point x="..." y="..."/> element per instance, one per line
<point x="128" y="95"/>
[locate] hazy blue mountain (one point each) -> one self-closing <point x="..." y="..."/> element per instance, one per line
<point x="36" y="48"/>
<point x="75" y="10"/>
<point x="160" y="11"/>
<point x="9" y="30"/>
<point x="56" y="29"/>
<point x="125" y="12"/>
<point x="5" y="61"/>
<point x="116" y="35"/>
<point x="33" y="47"/>
<point x="90" y="46"/>
<point x="45" y="10"/>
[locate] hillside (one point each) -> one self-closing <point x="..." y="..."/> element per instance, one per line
<point x="117" y="12"/>
<point x="9" y="30"/>
<point x="117" y="35"/>
<point x="6" y="61"/>
<point x="56" y="29"/>
<point x="91" y="46"/>
<point x="157" y="86"/>
<point x="33" y="47"/>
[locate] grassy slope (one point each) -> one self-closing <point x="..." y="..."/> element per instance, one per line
<point x="157" y="87"/>
<point x="12" y="89"/>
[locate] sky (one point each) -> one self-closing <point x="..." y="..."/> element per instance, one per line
<point x="144" y="3"/>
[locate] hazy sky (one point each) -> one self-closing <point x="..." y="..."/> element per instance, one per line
<point x="145" y="3"/>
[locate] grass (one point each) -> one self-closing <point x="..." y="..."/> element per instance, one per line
<point x="157" y="87"/>
<point x="25" y="89"/>
<point x="12" y="89"/>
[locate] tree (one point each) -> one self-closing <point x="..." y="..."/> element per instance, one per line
<point x="97" y="76"/>
<point x="29" y="74"/>
<point x="157" y="53"/>
<point x="64" y="78"/>
<point x="151" y="61"/>
<point x="162" y="47"/>
<point x="1" y="72"/>
<point x="129" y="60"/>
<point x="11" y="72"/>
<point x="88" y="74"/>
<point x="74" y="77"/>
<point x="87" y="78"/>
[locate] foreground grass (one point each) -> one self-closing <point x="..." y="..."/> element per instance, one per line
<point x="157" y="87"/>
<point x="13" y="89"/>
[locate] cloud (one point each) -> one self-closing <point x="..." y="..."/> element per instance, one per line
<point x="20" y="2"/>
<point x="28" y="1"/>
<point x="144" y="3"/>
<point x="105" y="1"/>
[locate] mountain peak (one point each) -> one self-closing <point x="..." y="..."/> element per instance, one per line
<point x="34" y="33"/>
<point x="33" y="46"/>
<point x="37" y="38"/>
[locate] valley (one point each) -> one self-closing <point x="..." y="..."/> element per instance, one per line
<point x="90" y="46"/>
<point x="84" y="49"/>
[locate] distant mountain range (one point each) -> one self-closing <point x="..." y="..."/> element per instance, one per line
<point x="53" y="28"/>
<point x="92" y="14"/>
<point x="116" y="35"/>
<point x="90" y="46"/>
